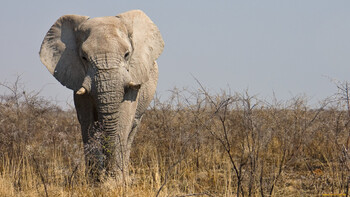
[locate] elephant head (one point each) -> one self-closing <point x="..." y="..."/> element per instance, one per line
<point x="109" y="62"/>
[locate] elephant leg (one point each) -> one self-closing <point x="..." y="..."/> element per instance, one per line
<point x="132" y="134"/>
<point x="145" y="97"/>
<point x="91" y="131"/>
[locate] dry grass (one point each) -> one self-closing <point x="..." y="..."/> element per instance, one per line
<point x="193" y="144"/>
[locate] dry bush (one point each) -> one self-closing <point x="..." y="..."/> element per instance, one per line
<point x="192" y="144"/>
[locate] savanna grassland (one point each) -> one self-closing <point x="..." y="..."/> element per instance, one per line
<point x="193" y="144"/>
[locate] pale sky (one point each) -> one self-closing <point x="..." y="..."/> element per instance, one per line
<point x="286" y="48"/>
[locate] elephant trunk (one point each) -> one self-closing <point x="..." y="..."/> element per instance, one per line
<point x="110" y="86"/>
<point x="109" y="91"/>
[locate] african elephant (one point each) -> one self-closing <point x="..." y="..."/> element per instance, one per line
<point x="110" y="64"/>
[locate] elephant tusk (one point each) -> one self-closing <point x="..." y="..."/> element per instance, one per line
<point x="134" y="85"/>
<point x="81" y="91"/>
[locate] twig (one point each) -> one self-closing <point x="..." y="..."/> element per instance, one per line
<point x="41" y="176"/>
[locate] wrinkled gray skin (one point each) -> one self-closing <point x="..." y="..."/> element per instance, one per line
<point x="110" y="64"/>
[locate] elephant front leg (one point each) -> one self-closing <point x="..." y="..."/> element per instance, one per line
<point x="131" y="136"/>
<point x="92" y="133"/>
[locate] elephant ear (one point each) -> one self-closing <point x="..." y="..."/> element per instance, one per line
<point x="59" y="52"/>
<point x="146" y="41"/>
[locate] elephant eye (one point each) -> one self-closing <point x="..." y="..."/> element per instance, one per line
<point x="126" y="56"/>
<point x="84" y="58"/>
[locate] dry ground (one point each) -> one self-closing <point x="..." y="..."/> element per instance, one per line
<point x="193" y="144"/>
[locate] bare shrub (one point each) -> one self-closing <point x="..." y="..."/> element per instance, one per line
<point x="193" y="144"/>
<point x="36" y="140"/>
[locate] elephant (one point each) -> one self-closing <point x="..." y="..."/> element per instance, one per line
<point x="110" y="64"/>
